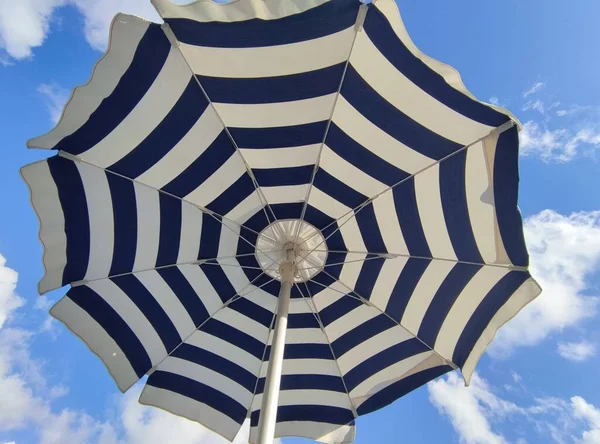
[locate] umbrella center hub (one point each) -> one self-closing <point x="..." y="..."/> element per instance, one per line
<point x="295" y="241"/>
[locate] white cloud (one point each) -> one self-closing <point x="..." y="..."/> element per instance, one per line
<point x="516" y="377"/>
<point x="591" y="415"/>
<point x="536" y="105"/>
<point x="549" y="145"/>
<point x="9" y="301"/>
<point x="576" y="351"/>
<point x="495" y="101"/>
<point x="55" y="97"/>
<point x="25" y="24"/>
<point x="534" y="88"/>
<point x="565" y="252"/>
<point x="573" y="109"/>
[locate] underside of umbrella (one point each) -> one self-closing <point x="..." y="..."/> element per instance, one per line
<point x="250" y="159"/>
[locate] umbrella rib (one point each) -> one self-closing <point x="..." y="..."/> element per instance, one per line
<point x="370" y="304"/>
<point x="353" y="212"/>
<point x="230" y="301"/>
<point x="335" y="359"/>
<point x="219" y="218"/>
<point x="361" y="15"/>
<point x="175" y="43"/>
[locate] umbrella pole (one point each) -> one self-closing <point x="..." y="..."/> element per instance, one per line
<point x="268" y="410"/>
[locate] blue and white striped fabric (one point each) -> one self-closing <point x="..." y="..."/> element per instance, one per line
<point x="192" y="137"/>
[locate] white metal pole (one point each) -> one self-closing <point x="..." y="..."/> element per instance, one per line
<point x="268" y="410"/>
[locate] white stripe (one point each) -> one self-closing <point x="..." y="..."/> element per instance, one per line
<point x="311" y="397"/>
<point x="318" y="431"/>
<point x="411" y="100"/>
<point x="270" y="61"/>
<point x="262" y="299"/>
<point x="148" y="227"/>
<point x="327" y="204"/>
<point x="326" y="297"/>
<point x="246" y="209"/>
<point x="271" y="115"/>
<point x="225" y="349"/>
<point x="349" y="322"/>
<point x="168" y="301"/>
<point x="45" y="201"/>
<point x="187" y="151"/>
<point x="386" y="282"/>
<point x="208" y="377"/>
<point x="423" y="294"/>
<point x="524" y="294"/>
<point x="464" y="307"/>
<point x="369" y="348"/>
<point x="234" y="11"/>
<point x="243" y="323"/>
<point x="156" y="104"/>
<point x="389" y="226"/>
<point x="133" y="317"/>
<point x="191" y="230"/>
<point x="350" y="175"/>
<point x="126" y="33"/>
<point x="480" y="200"/>
<point x="350" y="273"/>
<point x="285" y="194"/>
<point x="228" y="241"/>
<point x="96" y="338"/>
<point x="351" y="234"/>
<point x="218" y="182"/>
<point x="386" y="377"/>
<point x="431" y="213"/>
<point x="284" y="157"/>
<point x="306" y="367"/>
<point x="376" y="140"/>
<point x="191" y="409"/>
<point x="200" y="283"/>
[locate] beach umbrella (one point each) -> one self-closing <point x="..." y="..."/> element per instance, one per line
<point x="281" y="211"/>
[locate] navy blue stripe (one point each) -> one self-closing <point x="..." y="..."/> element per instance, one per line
<point x="329" y="18"/>
<point x="304" y="351"/>
<point x="253" y="311"/>
<point x="359" y="156"/>
<point x="151" y="309"/>
<point x="210" y="236"/>
<point x="405" y="201"/>
<point x="306" y="382"/>
<point x="77" y="220"/>
<point x="369" y="229"/>
<point x="234" y="336"/>
<point x="320" y="281"/>
<point x="339" y="308"/>
<point x="277" y="177"/>
<point x="200" y="392"/>
<point x="211" y="159"/>
<point x="233" y="196"/>
<point x="506" y="196"/>
<point x="218" y="364"/>
<point x="394" y="122"/>
<point x="368" y="277"/>
<point x="304" y="320"/>
<point x="401" y="388"/>
<point x="219" y="281"/>
<point x="487" y="309"/>
<point x="170" y="230"/>
<point x="185" y="293"/>
<point x="122" y="193"/>
<point x="405" y="286"/>
<point x="360" y="334"/>
<point x="335" y="240"/>
<point x="148" y="60"/>
<point x="114" y="325"/>
<point x="312" y="413"/>
<point x="180" y="120"/>
<point x="338" y="190"/>
<point x="383" y="360"/>
<point x="305" y="85"/>
<point x="444" y="298"/>
<point x="387" y="42"/>
<point x="279" y="137"/>
<point x="456" y="211"/>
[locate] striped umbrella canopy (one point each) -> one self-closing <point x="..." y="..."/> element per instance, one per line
<point x="280" y="207"/>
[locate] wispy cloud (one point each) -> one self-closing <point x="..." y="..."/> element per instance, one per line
<point x="565" y="253"/>
<point x="55" y="97"/>
<point x="576" y="351"/>
<point x="537" y="86"/>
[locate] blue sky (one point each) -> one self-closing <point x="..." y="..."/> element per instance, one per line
<point x="538" y="383"/>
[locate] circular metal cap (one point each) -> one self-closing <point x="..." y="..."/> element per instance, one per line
<point x="310" y="249"/>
